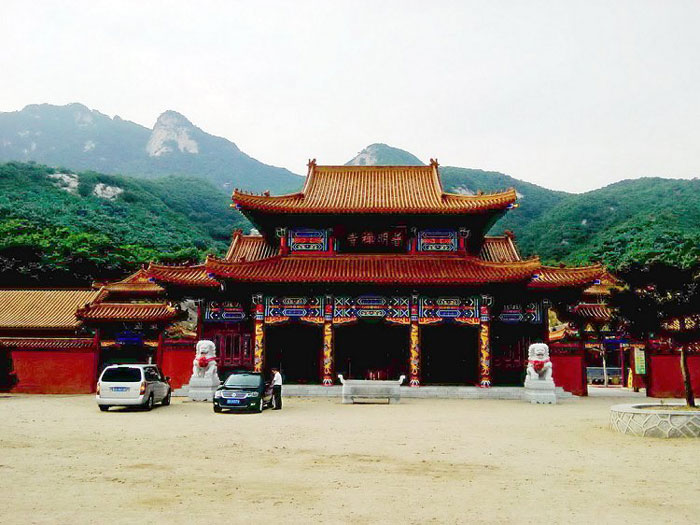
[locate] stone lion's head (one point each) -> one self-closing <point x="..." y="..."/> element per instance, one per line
<point x="206" y="347"/>
<point x="538" y="351"/>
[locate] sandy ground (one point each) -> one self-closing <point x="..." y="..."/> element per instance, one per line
<point x="440" y="461"/>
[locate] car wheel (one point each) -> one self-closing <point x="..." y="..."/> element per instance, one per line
<point x="149" y="403"/>
<point x="166" y="399"/>
<point x="217" y="409"/>
<point x="104" y="408"/>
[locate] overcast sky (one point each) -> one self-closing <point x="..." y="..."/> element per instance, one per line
<point x="568" y="95"/>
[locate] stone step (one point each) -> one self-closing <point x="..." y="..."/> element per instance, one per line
<point x="424" y="392"/>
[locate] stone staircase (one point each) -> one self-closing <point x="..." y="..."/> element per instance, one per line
<point x="424" y="392"/>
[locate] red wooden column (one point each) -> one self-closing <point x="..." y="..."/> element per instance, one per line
<point x="259" y="345"/>
<point x="414" y="350"/>
<point x="328" y="342"/>
<point x="484" y="347"/>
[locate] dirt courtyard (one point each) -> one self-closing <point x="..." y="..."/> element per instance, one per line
<point x="441" y="461"/>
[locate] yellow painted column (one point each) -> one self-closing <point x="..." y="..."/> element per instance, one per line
<point x="415" y="354"/>
<point x="259" y="348"/>
<point x="484" y="347"/>
<point x="328" y="341"/>
<point x="414" y="349"/>
<point x="327" y="353"/>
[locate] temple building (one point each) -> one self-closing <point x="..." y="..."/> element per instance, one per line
<point x="369" y="272"/>
<point x="375" y="272"/>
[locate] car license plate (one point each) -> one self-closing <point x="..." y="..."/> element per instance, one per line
<point x="233" y="401"/>
<point x="120" y="389"/>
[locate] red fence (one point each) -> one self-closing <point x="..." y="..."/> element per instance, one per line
<point x="569" y="367"/>
<point x="55" y="371"/>
<point x="664" y="378"/>
<point x="175" y="358"/>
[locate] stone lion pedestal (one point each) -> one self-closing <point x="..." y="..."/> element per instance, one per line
<point x="205" y="379"/>
<point x="539" y="385"/>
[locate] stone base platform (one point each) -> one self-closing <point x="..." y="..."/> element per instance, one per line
<point x="425" y="392"/>
<point x="407" y="392"/>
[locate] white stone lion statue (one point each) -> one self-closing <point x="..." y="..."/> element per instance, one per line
<point x="204" y="364"/>
<point x="539" y="367"/>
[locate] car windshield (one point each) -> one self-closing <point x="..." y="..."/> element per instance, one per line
<point x="243" y="381"/>
<point x="122" y="374"/>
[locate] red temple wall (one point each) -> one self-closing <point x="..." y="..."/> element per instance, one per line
<point x="664" y="378"/>
<point x="175" y="360"/>
<point x="55" y="371"/>
<point x="569" y="368"/>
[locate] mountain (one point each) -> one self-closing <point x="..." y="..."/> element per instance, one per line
<point x="383" y="155"/>
<point x="641" y="220"/>
<point x="78" y="138"/>
<point x="62" y="228"/>
<point x="647" y="219"/>
<point x="70" y="225"/>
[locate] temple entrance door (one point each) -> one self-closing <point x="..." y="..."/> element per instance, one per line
<point x="295" y="348"/>
<point x="371" y="350"/>
<point x="449" y="354"/>
<point x="7" y="379"/>
<point x="233" y="347"/>
<point x="125" y="354"/>
<point x="509" y="344"/>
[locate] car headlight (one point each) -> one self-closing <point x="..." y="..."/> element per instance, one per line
<point x="253" y="394"/>
<point x="217" y="393"/>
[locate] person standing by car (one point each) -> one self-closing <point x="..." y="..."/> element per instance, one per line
<point x="276" y="389"/>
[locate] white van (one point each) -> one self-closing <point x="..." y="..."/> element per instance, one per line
<point x="132" y="385"/>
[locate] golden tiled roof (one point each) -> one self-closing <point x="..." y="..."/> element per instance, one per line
<point x="594" y="312"/>
<point x="42" y="309"/>
<point x="499" y="249"/>
<point x="382" y="269"/>
<point x="249" y="248"/>
<point x="186" y="276"/>
<point x="137" y="312"/>
<point x="374" y="189"/>
<point x="556" y="277"/>
<point x="136" y="283"/>
<point x="606" y="284"/>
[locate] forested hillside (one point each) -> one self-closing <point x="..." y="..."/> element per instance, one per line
<point x="533" y="200"/>
<point x="59" y="228"/>
<point x="62" y="228"/>
<point x="642" y="220"/>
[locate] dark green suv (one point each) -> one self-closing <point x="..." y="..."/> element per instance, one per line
<point x="243" y="391"/>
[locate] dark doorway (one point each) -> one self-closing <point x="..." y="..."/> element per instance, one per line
<point x="449" y="354"/>
<point x="509" y="344"/>
<point x="125" y="354"/>
<point x="371" y="350"/>
<point x="295" y="349"/>
<point x="8" y="379"/>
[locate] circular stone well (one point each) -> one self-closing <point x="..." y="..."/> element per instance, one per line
<point x="655" y="420"/>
